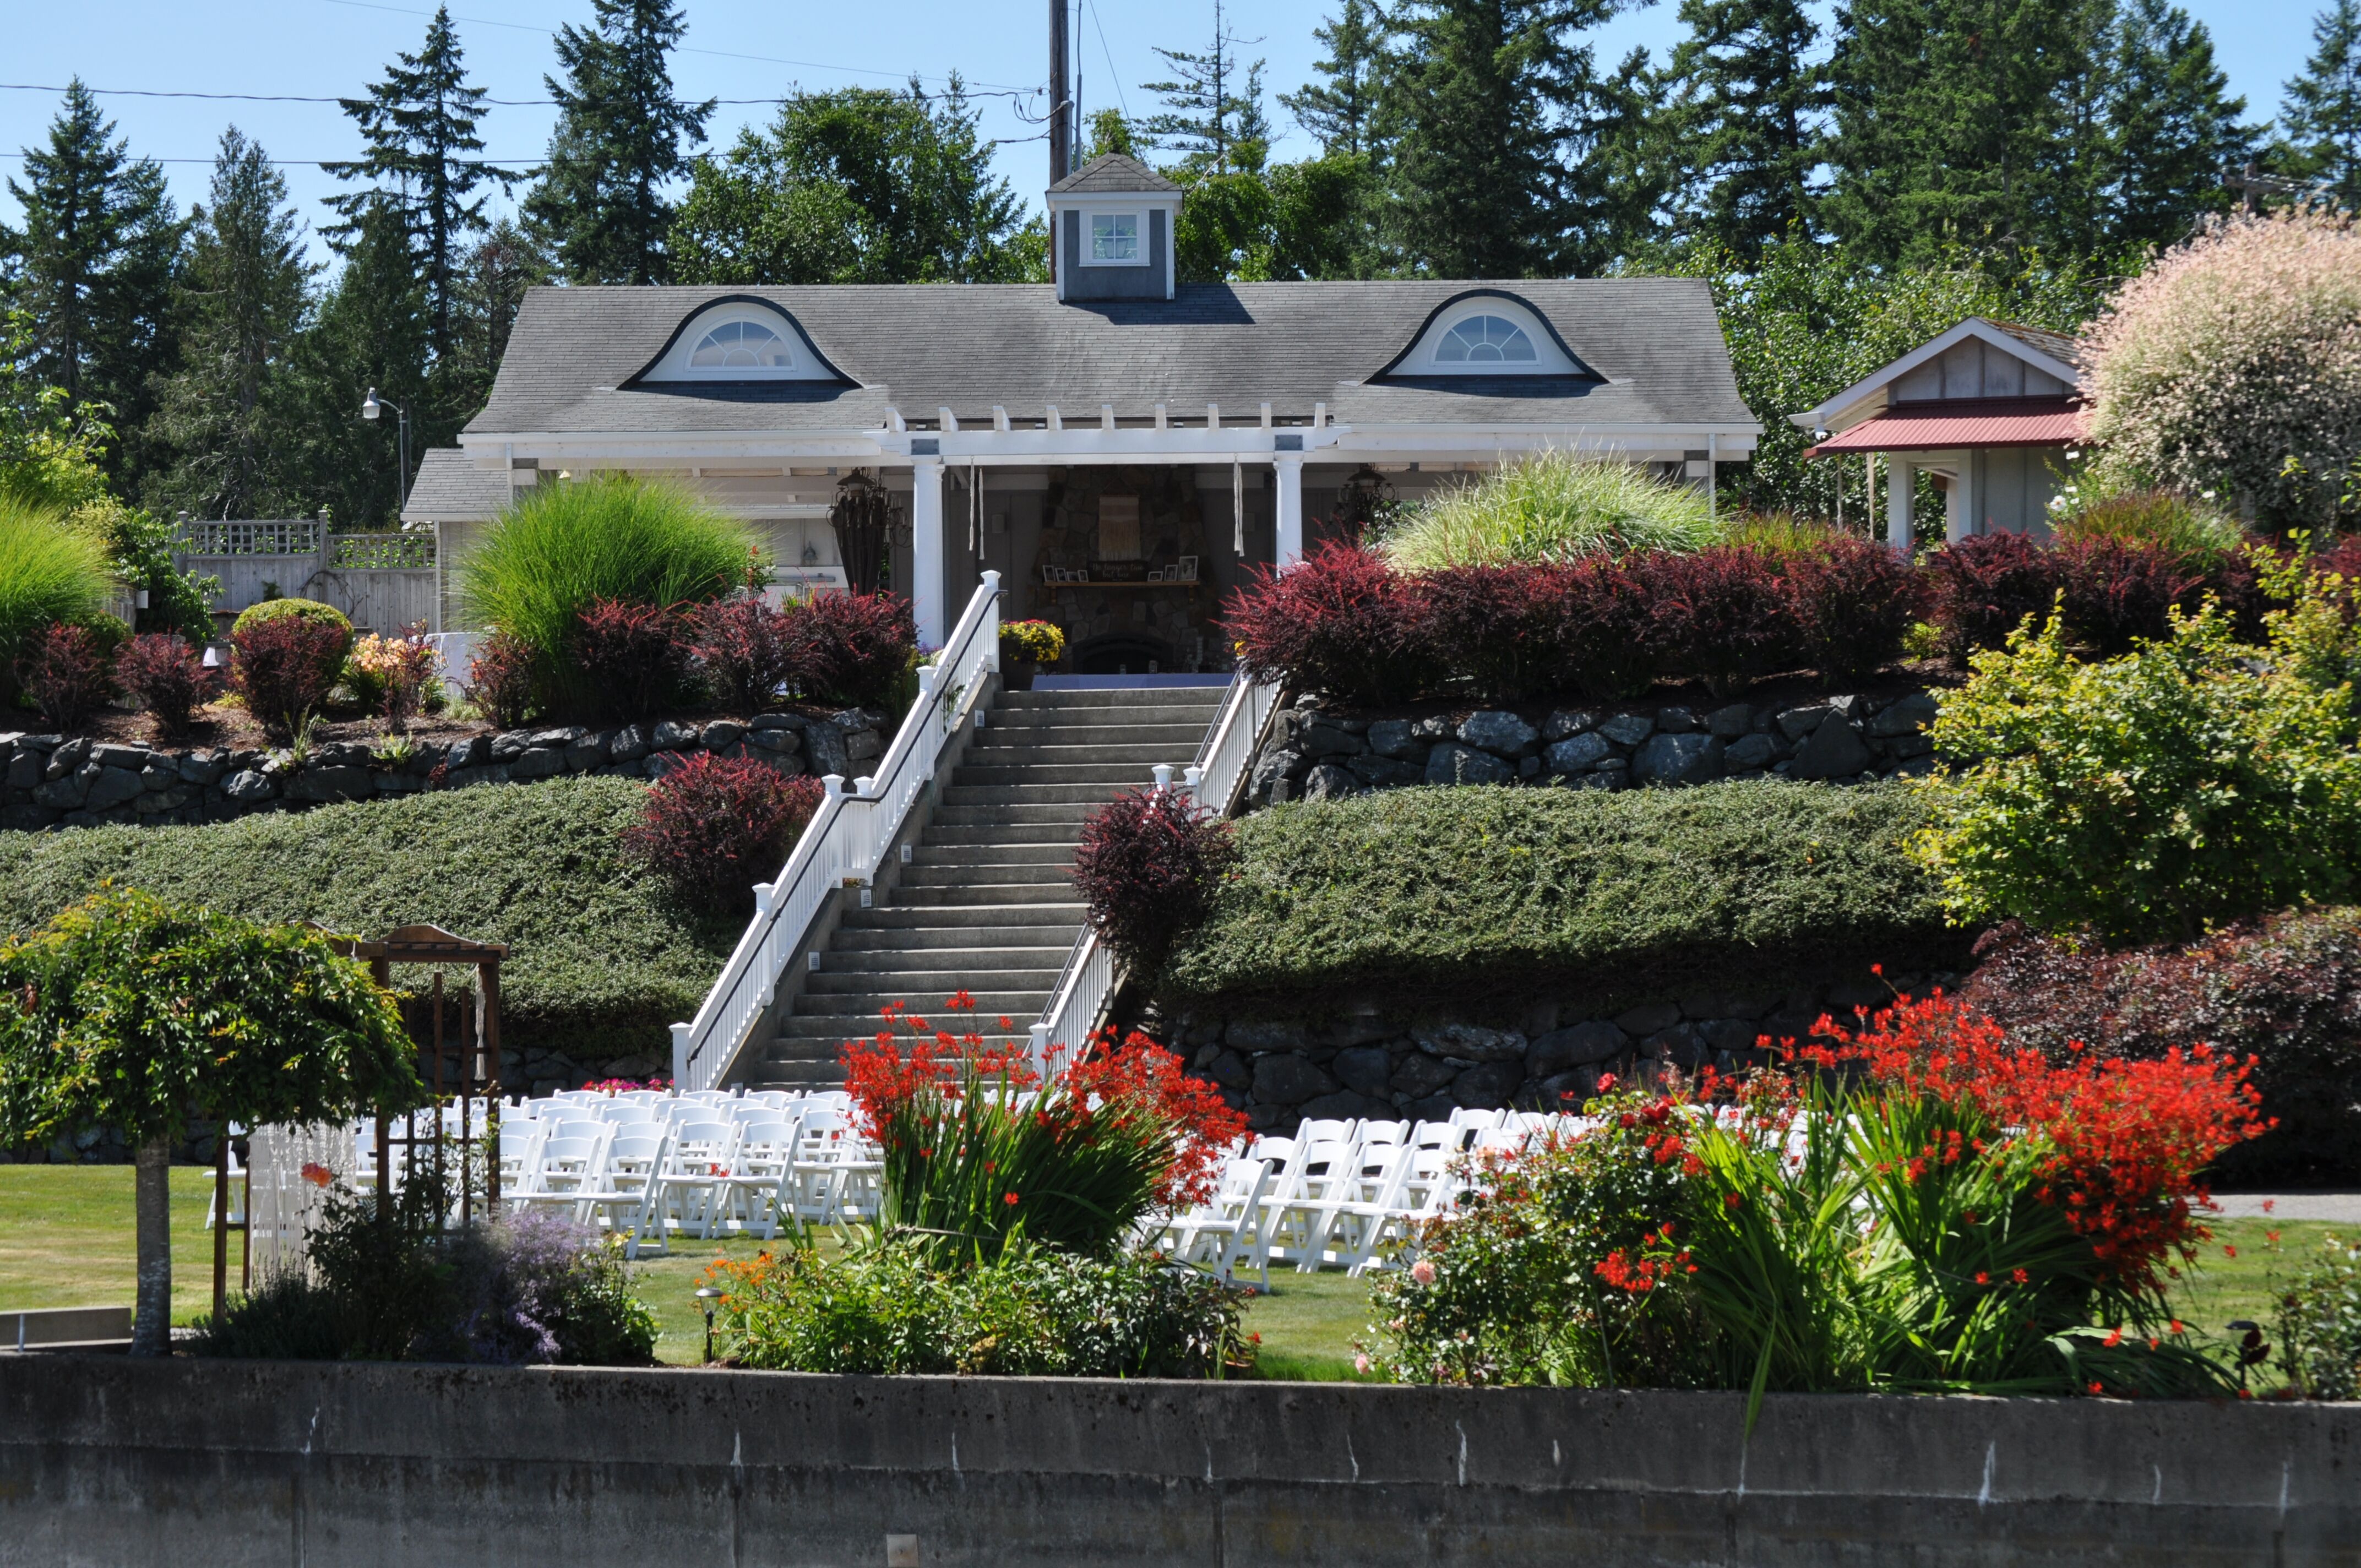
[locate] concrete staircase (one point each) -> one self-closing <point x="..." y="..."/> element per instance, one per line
<point x="986" y="904"/>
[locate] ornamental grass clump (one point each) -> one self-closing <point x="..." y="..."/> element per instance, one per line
<point x="1552" y="507"/>
<point x="50" y="574"/>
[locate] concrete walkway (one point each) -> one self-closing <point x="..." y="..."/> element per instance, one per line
<point x="2342" y="1208"/>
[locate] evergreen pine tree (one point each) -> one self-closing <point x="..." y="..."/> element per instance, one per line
<point x="1483" y="98"/>
<point x="420" y="126"/>
<point x="242" y="300"/>
<point x="622" y="136"/>
<point x="1339" y="109"/>
<point x="92" y="268"/>
<point x="2172" y="124"/>
<point x="1748" y="109"/>
<point x="505" y="263"/>
<point x="373" y="329"/>
<point x="2320" y="115"/>
<point x="1211" y="106"/>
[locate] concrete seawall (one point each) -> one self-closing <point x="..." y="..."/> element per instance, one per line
<point x="109" y="1461"/>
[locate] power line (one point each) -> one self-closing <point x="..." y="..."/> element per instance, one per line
<point x="298" y="98"/>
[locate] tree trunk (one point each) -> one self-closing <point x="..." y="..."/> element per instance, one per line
<point x="151" y="1321"/>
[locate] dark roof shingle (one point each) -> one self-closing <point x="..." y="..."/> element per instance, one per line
<point x="1113" y="172"/>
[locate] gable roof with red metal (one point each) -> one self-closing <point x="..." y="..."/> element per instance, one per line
<point x="1964" y="422"/>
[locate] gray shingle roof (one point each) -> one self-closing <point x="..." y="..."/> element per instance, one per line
<point x="1656" y="341"/>
<point x="450" y="488"/>
<point x="2057" y="344"/>
<point x="1112" y="172"/>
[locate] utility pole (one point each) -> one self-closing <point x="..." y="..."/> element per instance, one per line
<point x="1061" y="121"/>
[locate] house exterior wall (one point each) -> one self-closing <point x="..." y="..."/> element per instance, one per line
<point x="2013" y="488"/>
<point x="1077" y="281"/>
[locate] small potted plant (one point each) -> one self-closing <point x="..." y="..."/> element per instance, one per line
<point x="1024" y="647"/>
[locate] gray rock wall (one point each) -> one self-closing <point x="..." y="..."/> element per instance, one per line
<point x="54" y="782"/>
<point x="1542" y="1057"/>
<point x="1314" y="752"/>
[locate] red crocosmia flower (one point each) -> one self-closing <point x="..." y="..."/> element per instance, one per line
<point x="1010" y="1200"/>
<point x="2113" y="1339"/>
<point x="2095" y="1387"/>
<point x="1981" y="1278"/>
<point x="961" y="1001"/>
<point x="2020" y="1275"/>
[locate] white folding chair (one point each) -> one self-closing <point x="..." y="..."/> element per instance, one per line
<point x="757" y="1189"/>
<point x="1296" y="1223"/>
<point x="1373" y="1195"/>
<point x="624" y="1185"/>
<point x="568" y="1170"/>
<point x="1215" y="1231"/>
<point x="688" y="1186"/>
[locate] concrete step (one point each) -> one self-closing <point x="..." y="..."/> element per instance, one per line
<point x="962" y="894"/>
<point x="1032" y="795"/>
<point x="943" y="835"/>
<point x="933" y="854"/>
<point x="997" y="737"/>
<point x="1004" y="875"/>
<point x="816" y="1017"/>
<point x="1208" y="698"/>
<point x="970" y="919"/>
<point x="994" y="815"/>
<point x="928" y="987"/>
<point x="911" y="958"/>
<point x="901" y="930"/>
<point x="1032" y="773"/>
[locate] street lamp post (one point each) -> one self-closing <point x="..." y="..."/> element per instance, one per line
<point x="371" y="406"/>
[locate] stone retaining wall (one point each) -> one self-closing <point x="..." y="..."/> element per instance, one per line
<point x="52" y="782"/>
<point x="1315" y="752"/>
<point x="107" y="1461"/>
<point x="1391" y="1067"/>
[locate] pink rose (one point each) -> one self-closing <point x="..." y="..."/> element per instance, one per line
<point x="1422" y="1271"/>
<point x="1361" y="1363"/>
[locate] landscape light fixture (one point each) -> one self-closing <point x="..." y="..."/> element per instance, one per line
<point x="371" y="406"/>
<point x="708" y="1294"/>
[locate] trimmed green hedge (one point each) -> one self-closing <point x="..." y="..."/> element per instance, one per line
<point x="1462" y="894"/>
<point x="601" y="958"/>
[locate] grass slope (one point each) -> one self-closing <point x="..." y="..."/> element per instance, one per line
<point x="1416" y="894"/>
<point x="600" y="958"/>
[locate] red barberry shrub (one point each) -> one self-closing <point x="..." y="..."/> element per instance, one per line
<point x="1852" y="601"/>
<point x="504" y="677"/>
<point x="168" y="677"/>
<point x="1983" y="587"/>
<point x="284" y="668"/>
<point x="634" y="656"/>
<point x="1724" y="614"/>
<point x="852" y="648"/>
<point x="65" y="673"/>
<point x="1500" y="628"/>
<point x="713" y="826"/>
<point x="1610" y="643"/>
<point x="1342" y="621"/>
<point x="2119" y="593"/>
<point x="2284" y="991"/>
<point x="1149" y="866"/>
<point x="746" y="652"/>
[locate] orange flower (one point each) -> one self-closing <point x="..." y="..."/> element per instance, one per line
<point x="318" y="1175"/>
<point x="1010" y="1200"/>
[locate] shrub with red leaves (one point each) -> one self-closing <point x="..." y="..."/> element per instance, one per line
<point x="167" y="676"/>
<point x="1342" y="621"/>
<point x="65" y="674"/>
<point x="2119" y="592"/>
<point x="1149" y="866"/>
<point x="714" y="827"/>
<point x="1981" y="587"/>
<point x="1610" y="640"/>
<point x="1724" y="614"/>
<point x="2286" y="992"/>
<point x="746" y="651"/>
<point x="504" y="677"/>
<point x="1853" y="602"/>
<point x="284" y="669"/>
<point x="1502" y="628"/>
<point x="636" y="655"/>
<point x="852" y="648"/>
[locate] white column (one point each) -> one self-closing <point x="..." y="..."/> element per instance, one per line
<point x="927" y="600"/>
<point x="1290" y="550"/>
<point x="1900" y="480"/>
<point x="1967" y="509"/>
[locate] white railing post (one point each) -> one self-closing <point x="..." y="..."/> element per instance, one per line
<point x="680" y="1032"/>
<point x="1163" y="778"/>
<point x="1040" y="1032"/>
<point x="1193" y="779"/>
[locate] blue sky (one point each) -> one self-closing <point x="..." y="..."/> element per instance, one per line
<point x="735" y="48"/>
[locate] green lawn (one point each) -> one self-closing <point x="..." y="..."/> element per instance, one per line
<point x="66" y="1241"/>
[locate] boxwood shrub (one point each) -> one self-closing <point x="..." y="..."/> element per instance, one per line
<point x="1412" y="895"/>
<point x="601" y="954"/>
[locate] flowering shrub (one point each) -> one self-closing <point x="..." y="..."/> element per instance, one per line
<point x="626" y="1085"/>
<point x="852" y="648"/>
<point x="503" y="677"/>
<point x="1148" y="865"/>
<point x="2233" y="364"/>
<point x="65" y="674"/>
<point x="1724" y="614"/>
<point x="746" y="651"/>
<point x="1851" y="603"/>
<point x="2320" y="1325"/>
<point x="1342" y="622"/>
<point x="167" y="676"/>
<point x="284" y="668"/>
<point x="974" y="1161"/>
<point x="398" y="671"/>
<point x="1032" y="1311"/>
<point x="1036" y="640"/>
<point x="715" y="826"/>
<point x="635" y="656"/>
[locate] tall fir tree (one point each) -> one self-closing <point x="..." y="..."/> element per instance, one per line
<point x="1340" y="108"/>
<point x="2319" y="113"/>
<point x="2172" y="125"/>
<point x="1483" y="98"/>
<point x="1749" y="118"/>
<point x="622" y="138"/>
<point x="371" y="329"/>
<point x="242" y="301"/>
<point x="418" y="125"/>
<point x="92" y="268"/>
<point x="1214" y="105"/>
<point x="504" y="264"/>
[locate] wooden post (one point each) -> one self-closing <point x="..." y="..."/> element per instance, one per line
<point x="221" y="1222"/>
<point x="488" y="1031"/>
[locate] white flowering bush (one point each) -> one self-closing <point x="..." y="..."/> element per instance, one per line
<point x="2234" y="365"/>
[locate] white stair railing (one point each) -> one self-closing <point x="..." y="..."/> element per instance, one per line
<point x="1078" y="1004"/>
<point x="847" y="838"/>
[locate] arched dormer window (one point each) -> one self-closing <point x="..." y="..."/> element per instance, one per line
<point x="1486" y="331"/>
<point x="739" y="340"/>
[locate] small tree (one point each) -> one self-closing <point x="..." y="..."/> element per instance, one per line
<point x="136" y="1014"/>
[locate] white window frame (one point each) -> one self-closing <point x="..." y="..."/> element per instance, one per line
<point x="1136" y="214"/>
<point x="1549" y="360"/>
<point x="803" y="363"/>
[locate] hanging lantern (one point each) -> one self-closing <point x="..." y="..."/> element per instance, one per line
<point x="860" y="514"/>
<point x="1364" y="500"/>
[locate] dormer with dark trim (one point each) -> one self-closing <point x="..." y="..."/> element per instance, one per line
<point x="1113" y="219"/>
<point x="738" y="338"/>
<point x="1485" y="332"/>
